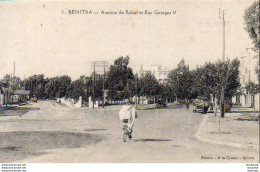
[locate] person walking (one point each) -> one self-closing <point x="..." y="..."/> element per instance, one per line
<point x="187" y="102"/>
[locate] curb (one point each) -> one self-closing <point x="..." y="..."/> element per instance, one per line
<point x="232" y="144"/>
<point x="10" y="107"/>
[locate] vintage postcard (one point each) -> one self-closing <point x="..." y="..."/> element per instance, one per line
<point x="129" y="82"/>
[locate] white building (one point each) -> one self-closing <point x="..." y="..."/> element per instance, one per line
<point x="160" y="72"/>
<point x="247" y="74"/>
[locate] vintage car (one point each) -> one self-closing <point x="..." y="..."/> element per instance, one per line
<point x="34" y="99"/>
<point x="201" y="104"/>
<point x="161" y="103"/>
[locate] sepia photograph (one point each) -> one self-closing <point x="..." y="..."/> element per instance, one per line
<point x="129" y="82"/>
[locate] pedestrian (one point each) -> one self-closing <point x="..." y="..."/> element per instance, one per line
<point x="128" y="112"/>
<point x="187" y="102"/>
<point x="205" y="107"/>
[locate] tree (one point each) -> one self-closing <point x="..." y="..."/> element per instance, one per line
<point x="52" y="88"/>
<point x="119" y="76"/>
<point x="166" y="92"/>
<point x="233" y="81"/>
<point x="252" y="22"/>
<point x="64" y="82"/>
<point x="180" y="79"/>
<point x="36" y="85"/>
<point x="209" y="78"/>
<point x="76" y="88"/>
<point x="251" y="18"/>
<point x="149" y="86"/>
<point x="13" y="83"/>
<point x="252" y="88"/>
<point x="57" y="86"/>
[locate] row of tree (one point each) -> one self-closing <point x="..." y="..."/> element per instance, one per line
<point x="121" y="83"/>
<point x="206" y="80"/>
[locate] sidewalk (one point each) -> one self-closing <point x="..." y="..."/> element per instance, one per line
<point x="236" y="129"/>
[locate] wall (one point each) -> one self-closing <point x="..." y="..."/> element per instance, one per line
<point x="1" y="99"/>
<point x="68" y="102"/>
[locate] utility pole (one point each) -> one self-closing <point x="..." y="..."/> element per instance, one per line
<point x="223" y="87"/>
<point x="12" y="88"/>
<point x="13" y="82"/>
<point x="136" y="90"/>
<point x="100" y="68"/>
<point x="93" y="96"/>
<point x="31" y="86"/>
<point x="103" y="102"/>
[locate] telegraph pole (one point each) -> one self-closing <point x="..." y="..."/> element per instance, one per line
<point x="12" y="77"/>
<point x="136" y="90"/>
<point x="223" y="87"/>
<point x="93" y="96"/>
<point x="99" y="69"/>
<point x="13" y="81"/>
<point x="103" y="102"/>
<point x="12" y="88"/>
<point x="31" y="87"/>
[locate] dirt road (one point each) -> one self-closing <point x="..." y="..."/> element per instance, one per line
<point x="52" y="132"/>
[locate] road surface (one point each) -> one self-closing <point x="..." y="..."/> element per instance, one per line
<point x="52" y="132"/>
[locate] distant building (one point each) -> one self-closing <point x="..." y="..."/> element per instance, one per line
<point x="247" y="74"/>
<point x="248" y="67"/>
<point x="2" y="97"/>
<point x="21" y="96"/>
<point x="160" y="72"/>
<point x="8" y="96"/>
<point x="5" y="96"/>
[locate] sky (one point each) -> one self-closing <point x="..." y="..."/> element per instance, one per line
<point x="42" y="40"/>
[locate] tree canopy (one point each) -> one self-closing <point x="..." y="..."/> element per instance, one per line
<point x="180" y="79"/>
<point x="119" y="76"/>
<point x="252" y="26"/>
<point x="252" y="22"/>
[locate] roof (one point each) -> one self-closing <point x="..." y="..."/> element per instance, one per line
<point x="22" y="92"/>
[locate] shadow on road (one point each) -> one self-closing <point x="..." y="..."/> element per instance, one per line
<point x="168" y="107"/>
<point x="23" y="144"/>
<point x="152" y="140"/>
<point x="17" y="111"/>
<point x="248" y="117"/>
<point x="96" y="129"/>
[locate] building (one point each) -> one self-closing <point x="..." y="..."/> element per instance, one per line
<point x="160" y="72"/>
<point x="5" y="96"/>
<point x="2" y="97"/>
<point x="21" y="96"/>
<point x="247" y="74"/>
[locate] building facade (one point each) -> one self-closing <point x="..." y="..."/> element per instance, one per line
<point x="160" y="72"/>
<point x="247" y="74"/>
